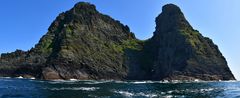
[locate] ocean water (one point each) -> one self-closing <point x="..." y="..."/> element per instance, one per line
<point x="29" y="88"/>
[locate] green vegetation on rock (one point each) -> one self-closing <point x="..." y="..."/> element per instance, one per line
<point x="85" y="44"/>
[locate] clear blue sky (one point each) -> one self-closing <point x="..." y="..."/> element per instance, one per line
<point x="23" y="22"/>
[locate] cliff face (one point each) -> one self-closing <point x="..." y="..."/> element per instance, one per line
<point x="182" y="53"/>
<point x="85" y="44"/>
<point x="81" y="43"/>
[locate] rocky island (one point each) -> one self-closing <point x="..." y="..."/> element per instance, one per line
<point x="84" y="44"/>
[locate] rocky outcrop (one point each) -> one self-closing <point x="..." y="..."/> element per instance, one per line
<point x="81" y="44"/>
<point x="85" y="44"/>
<point x="181" y="53"/>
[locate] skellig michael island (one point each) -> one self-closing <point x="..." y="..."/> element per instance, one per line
<point x="84" y="44"/>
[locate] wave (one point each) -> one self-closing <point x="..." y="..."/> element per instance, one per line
<point x="70" y="81"/>
<point x="60" y="82"/>
<point x="203" y="90"/>
<point x="120" y="82"/>
<point x="73" y="79"/>
<point x="20" y="77"/>
<point x="94" y="82"/>
<point x="142" y="82"/>
<point x="131" y="94"/>
<point x="230" y="81"/>
<point x="100" y="82"/>
<point x="166" y="94"/>
<point x="115" y="81"/>
<point x="125" y="93"/>
<point x="76" y="88"/>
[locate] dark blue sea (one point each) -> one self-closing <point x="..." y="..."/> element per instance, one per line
<point x="30" y="88"/>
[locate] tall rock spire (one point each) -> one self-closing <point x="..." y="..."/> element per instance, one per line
<point x="182" y="52"/>
<point x="171" y="18"/>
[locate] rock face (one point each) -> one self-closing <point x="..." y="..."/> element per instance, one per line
<point x="182" y="53"/>
<point x="85" y="44"/>
<point x="81" y="44"/>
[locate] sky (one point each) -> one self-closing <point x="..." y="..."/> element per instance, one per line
<point x="24" y="22"/>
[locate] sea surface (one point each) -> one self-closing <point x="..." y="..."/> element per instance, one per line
<point x="30" y="88"/>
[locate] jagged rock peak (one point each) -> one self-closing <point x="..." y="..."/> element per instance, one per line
<point x="84" y="4"/>
<point x="171" y="19"/>
<point x="84" y="7"/>
<point x="171" y="8"/>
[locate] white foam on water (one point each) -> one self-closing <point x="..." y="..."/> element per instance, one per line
<point x="20" y="77"/>
<point x="88" y="88"/>
<point x="230" y="81"/>
<point x="163" y="93"/>
<point x="196" y="80"/>
<point x="62" y="81"/>
<point x="73" y="79"/>
<point x="120" y="81"/>
<point x="54" y="82"/>
<point x="165" y="81"/>
<point x="143" y="82"/>
<point x="176" y="81"/>
<point x="168" y="96"/>
<point x="141" y="94"/>
<point x="206" y="90"/>
<point x="80" y="81"/>
<point x="147" y="95"/>
<point x="125" y="93"/>
<point x="76" y="88"/>
<point x="138" y="82"/>
<point x="203" y="90"/>
<point x="97" y="82"/>
<point x="170" y="92"/>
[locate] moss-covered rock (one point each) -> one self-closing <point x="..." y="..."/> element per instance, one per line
<point x="85" y="44"/>
<point x="182" y="53"/>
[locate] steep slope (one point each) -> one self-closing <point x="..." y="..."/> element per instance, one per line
<point x="81" y="43"/>
<point x="87" y="45"/>
<point x="181" y="53"/>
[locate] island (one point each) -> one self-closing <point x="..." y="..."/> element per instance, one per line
<point x="84" y="44"/>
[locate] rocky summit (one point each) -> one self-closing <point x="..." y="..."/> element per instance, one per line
<point x="178" y="52"/>
<point x="84" y="44"/>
